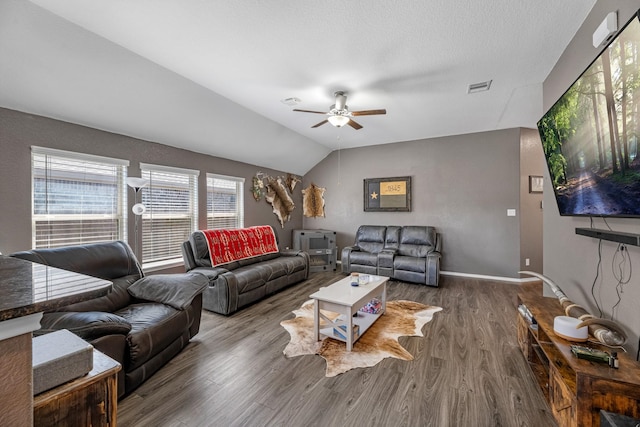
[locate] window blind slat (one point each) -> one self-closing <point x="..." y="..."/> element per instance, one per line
<point x="225" y="204"/>
<point x="172" y="212"/>
<point x="77" y="198"/>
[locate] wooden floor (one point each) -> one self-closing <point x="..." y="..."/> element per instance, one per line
<point x="468" y="370"/>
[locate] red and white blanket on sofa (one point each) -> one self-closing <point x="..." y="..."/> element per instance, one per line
<point x="228" y="245"/>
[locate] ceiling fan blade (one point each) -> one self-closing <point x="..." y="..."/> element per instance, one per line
<point x="368" y="112"/>
<point x="310" y="111"/>
<point x="319" y="124"/>
<point x="354" y="125"/>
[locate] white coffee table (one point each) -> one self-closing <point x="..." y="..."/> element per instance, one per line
<point x="346" y="300"/>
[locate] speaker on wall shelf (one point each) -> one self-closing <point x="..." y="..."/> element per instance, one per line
<point x="613" y="236"/>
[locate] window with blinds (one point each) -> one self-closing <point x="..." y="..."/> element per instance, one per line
<point x="77" y="198"/>
<point x="225" y="204"/>
<point x="171" y="199"/>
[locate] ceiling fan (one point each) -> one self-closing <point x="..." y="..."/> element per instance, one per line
<point x="339" y="114"/>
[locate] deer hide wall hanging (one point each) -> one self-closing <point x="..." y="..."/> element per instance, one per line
<point x="313" y="201"/>
<point x="292" y="181"/>
<point x="279" y="198"/>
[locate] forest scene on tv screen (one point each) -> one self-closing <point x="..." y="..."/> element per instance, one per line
<point x="590" y="136"/>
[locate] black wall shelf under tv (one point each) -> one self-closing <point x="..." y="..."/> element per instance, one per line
<point x="613" y="236"/>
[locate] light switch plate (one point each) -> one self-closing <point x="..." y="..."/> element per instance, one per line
<point x="511" y="212"/>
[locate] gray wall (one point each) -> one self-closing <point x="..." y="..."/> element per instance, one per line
<point x="571" y="260"/>
<point x="19" y="131"/>
<point x="531" y="163"/>
<point x="462" y="185"/>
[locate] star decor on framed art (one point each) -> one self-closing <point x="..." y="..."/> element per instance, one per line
<point x="387" y="194"/>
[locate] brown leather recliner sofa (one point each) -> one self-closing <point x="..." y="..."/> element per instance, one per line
<point x="142" y="323"/>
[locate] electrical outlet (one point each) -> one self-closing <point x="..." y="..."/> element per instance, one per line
<point x="527" y="261"/>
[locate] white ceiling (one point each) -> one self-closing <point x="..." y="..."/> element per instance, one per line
<point x="209" y="75"/>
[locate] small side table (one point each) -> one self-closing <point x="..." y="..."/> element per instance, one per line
<point x="89" y="400"/>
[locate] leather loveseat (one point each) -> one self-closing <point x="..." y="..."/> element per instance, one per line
<point x="237" y="284"/>
<point x="408" y="253"/>
<point x="142" y="323"/>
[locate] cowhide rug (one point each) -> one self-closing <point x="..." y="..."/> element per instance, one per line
<point x="402" y="318"/>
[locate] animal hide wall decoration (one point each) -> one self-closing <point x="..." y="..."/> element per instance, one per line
<point x="257" y="186"/>
<point x="292" y="180"/>
<point x="313" y="201"/>
<point x="279" y="197"/>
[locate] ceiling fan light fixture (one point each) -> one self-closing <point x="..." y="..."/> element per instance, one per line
<point x="338" y="121"/>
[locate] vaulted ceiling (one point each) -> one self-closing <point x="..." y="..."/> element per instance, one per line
<point x="210" y="76"/>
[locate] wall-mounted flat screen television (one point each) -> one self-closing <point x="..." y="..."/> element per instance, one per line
<point x="590" y="135"/>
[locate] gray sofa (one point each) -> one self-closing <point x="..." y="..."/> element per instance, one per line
<point x="238" y="284"/>
<point x="407" y="253"/>
<point x="142" y="323"/>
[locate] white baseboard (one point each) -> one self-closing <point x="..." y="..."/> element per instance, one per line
<point x="517" y="280"/>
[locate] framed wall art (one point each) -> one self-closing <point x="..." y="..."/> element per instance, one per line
<point x="387" y="194"/>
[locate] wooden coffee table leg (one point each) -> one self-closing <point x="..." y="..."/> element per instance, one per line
<point x="384" y="297"/>
<point x="316" y="320"/>
<point x="349" y="332"/>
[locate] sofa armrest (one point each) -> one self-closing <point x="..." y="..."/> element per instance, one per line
<point x="211" y="273"/>
<point x="433" y="268"/>
<point x="88" y="325"/>
<point x="291" y="252"/>
<point x="175" y="290"/>
<point x="438" y="247"/>
<point x="385" y="258"/>
<point x="345" y="258"/>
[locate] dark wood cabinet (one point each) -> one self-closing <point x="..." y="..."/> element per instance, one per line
<point x="576" y="389"/>
<point x="90" y="400"/>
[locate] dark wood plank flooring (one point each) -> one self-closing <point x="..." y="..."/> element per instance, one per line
<point x="468" y="370"/>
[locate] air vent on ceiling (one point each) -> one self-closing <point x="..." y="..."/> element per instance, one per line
<point x="291" y="101"/>
<point x="479" y="87"/>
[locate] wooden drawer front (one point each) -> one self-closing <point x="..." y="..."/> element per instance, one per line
<point x="523" y="336"/>
<point x="612" y="396"/>
<point x="562" y="400"/>
<point x="92" y="405"/>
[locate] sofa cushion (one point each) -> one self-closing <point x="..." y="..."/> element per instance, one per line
<point x="107" y="260"/>
<point x="370" y="238"/>
<point x="392" y="237"/>
<point x="416" y="241"/>
<point x="410" y="263"/>
<point x="112" y="261"/>
<point x="200" y="249"/>
<point x="87" y="325"/>
<point x="118" y="298"/>
<point x="254" y="260"/>
<point x="364" y="258"/>
<point x="176" y="290"/>
<point x="252" y="277"/>
<point x="153" y="327"/>
<point x="293" y="264"/>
